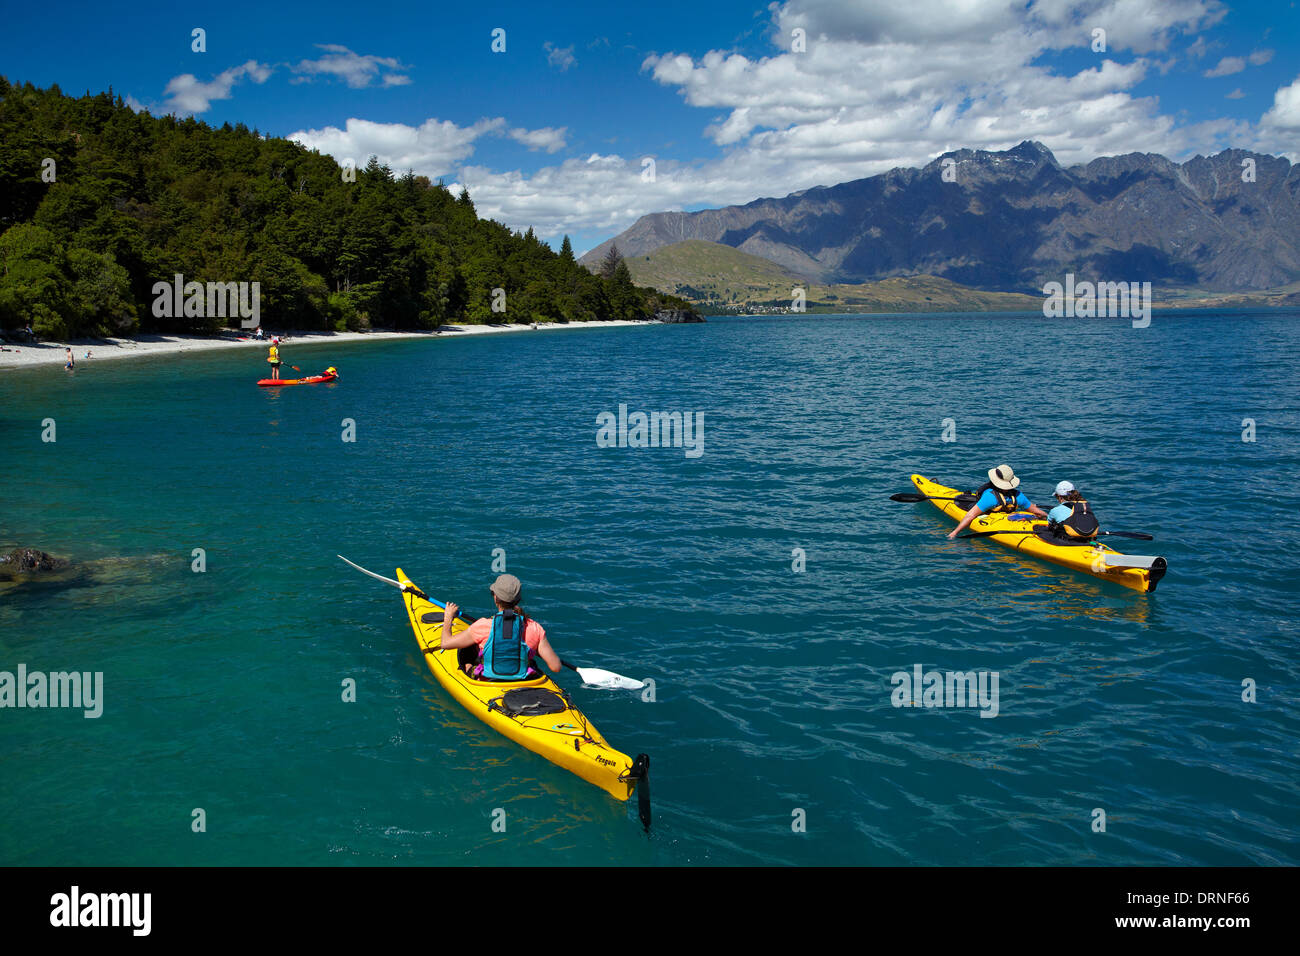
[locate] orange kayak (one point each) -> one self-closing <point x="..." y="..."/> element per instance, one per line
<point x="313" y="380"/>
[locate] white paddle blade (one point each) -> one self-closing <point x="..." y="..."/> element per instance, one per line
<point x="1130" y="560"/>
<point x="378" y="577"/>
<point x="600" y="678"/>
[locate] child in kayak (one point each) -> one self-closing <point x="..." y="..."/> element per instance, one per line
<point x="506" y="642"/>
<point x="997" y="494"/>
<point x="1072" y="517"/>
<point x="274" y="358"/>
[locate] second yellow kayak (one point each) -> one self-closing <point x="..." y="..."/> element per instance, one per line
<point x="1139" y="572"/>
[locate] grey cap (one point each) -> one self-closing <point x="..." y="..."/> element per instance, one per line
<point x="507" y="589"/>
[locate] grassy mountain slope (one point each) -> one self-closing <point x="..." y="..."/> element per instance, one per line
<point x="716" y="277"/>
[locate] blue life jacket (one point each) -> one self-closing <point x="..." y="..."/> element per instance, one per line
<point x="1006" y="500"/>
<point x="505" y="654"/>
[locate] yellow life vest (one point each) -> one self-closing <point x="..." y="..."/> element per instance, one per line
<point x="274" y="356"/>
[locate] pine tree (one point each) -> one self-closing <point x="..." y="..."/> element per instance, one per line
<point x="609" y="264"/>
<point x="566" y="250"/>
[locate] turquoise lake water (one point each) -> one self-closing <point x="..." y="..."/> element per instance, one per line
<point x="772" y="687"/>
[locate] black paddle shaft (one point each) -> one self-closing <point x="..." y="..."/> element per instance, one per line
<point x="911" y="499"/>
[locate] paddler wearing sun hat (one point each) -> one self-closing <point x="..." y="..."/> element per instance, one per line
<point x="999" y="493"/>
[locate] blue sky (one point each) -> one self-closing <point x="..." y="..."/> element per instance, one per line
<point x="555" y="132"/>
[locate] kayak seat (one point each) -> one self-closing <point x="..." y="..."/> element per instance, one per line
<point x="529" y="702"/>
<point x="533" y="674"/>
<point x="1063" y="541"/>
<point x="469" y="655"/>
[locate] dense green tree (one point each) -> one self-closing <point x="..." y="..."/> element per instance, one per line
<point x="61" y="292"/>
<point x="34" y="283"/>
<point x="98" y="203"/>
<point x="625" y="300"/>
<point x="101" y="293"/>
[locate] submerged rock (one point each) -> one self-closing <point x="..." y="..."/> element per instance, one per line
<point x="677" y="315"/>
<point x="32" y="567"/>
<point x="29" y="560"/>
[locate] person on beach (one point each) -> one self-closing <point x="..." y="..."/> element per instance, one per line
<point x="274" y="358"/>
<point x="505" y="643"/>
<point x="71" y="362"/>
<point x="997" y="494"/>
<point x="1072" y="517"/>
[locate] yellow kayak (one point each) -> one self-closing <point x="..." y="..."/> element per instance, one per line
<point x="536" y="714"/>
<point x="1139" y="572"/>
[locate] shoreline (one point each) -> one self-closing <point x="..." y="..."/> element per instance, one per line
<point x="25" y="355"/>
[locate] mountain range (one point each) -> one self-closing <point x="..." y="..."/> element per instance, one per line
<point x="1015" y="219"/>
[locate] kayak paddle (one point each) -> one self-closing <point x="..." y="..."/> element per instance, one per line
<point x="640" y="772"/>
<point x="379" y="577"/>
<point x="594" y="676"/>
<point x="1119" y="534"/>
<point x="912" y="499"/>
<point x="602" y="678"/>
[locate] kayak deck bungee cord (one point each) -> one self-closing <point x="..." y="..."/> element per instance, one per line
<point x="1027" y="533"/>
<point x="536" y="713"/>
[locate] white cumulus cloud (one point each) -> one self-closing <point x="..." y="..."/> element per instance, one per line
<point x="1227" y="66"/>
<point x="548" y="138"/>
<point x="188" y="94"/>
<point x="432" y="148"/>
<point x="1285" y="112"/>
<point x="355" y="69"/>
<point x="559" y="57"/>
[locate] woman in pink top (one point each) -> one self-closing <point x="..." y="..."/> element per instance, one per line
<point x="507" y="641"/>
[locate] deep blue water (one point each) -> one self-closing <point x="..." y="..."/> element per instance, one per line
<point x="772" y="687"/>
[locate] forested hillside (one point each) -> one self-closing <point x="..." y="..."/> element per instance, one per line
<point x="136" y="199"/>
